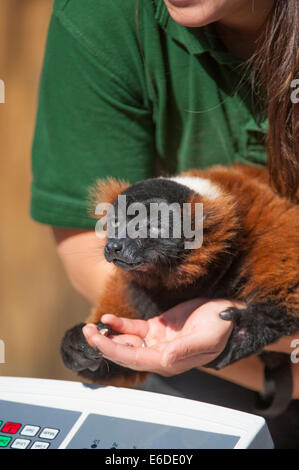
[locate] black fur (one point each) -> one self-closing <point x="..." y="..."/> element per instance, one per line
<point x="156" y="189"/>
<point x="223" y="281"/>
<point x="255" y="327"/>
<point x="88" y="362"/>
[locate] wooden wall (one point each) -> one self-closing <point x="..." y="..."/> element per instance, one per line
<point x="37" y="303"/>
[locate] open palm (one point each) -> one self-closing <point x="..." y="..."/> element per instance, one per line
<point x="186" y="336"/>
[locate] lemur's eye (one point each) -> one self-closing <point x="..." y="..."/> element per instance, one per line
<point x="154" y="231"/>
<point x="115" y="223"/>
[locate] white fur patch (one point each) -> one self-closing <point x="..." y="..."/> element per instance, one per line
<point x="200" y="185"/>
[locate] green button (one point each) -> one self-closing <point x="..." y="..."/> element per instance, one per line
<point x="4" y="441"/>
<point x="1" y="422"/>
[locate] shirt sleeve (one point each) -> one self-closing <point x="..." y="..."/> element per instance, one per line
<point x="94" y="119"/>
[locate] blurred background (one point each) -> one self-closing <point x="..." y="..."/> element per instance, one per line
<point x="37" y="303"/>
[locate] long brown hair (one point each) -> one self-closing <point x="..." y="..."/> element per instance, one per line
<point x="276" y="65"/>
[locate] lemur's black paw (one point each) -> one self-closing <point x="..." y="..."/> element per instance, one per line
<point x="88" y="362"/>
<point x="254" y="327"/>
<point x="76" y="353"/>
<point x="231" y="313"/>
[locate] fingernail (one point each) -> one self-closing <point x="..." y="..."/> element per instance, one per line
<point x="88" y="329"/>
<point x="105" y="318"/>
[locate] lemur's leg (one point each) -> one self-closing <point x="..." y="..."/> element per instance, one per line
<point x="87" y="361"/>
<point x="255" y="327"/>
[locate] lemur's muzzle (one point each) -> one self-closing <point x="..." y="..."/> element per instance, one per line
<point x="121" y="253"/>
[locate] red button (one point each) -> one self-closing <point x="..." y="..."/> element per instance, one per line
<point x="11" y="428"/>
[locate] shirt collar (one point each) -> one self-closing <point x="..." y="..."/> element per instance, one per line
<point x="195" y="40"/>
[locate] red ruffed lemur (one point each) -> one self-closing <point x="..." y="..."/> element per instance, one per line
<point x="249" y="252"/>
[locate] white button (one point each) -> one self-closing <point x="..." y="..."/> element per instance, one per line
<point x="20" y="444"/>
<point x="40" y="445"/>
<point x="49" y="433"/>
<point x="29" y="430"/>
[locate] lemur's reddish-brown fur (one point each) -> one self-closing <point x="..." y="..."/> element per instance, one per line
<point x="249" y="206"/>
<point x="271" y="225"/>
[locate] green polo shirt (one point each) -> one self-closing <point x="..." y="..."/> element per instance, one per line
<point x="127" y="92"/>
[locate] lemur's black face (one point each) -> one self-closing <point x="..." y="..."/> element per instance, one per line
<point x="148" y="225"/>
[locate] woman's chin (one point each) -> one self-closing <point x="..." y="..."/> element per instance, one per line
<point x="188" y="14"/>
<point x="189" y="20"/>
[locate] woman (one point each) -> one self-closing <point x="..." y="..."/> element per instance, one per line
<point x="137" y="88"/>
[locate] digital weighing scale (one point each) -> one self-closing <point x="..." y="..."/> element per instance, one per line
<point x="51" y="414"/>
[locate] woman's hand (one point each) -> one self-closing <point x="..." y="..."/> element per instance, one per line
<point x="189" y="335"/>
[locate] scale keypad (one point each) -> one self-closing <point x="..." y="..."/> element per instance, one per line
<point x="24" y="426"/>
<point x="47" y="434"/>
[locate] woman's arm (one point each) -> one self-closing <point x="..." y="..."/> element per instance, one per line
<point x="81" y="253"/>
<point x="249" y="373"/>
<point x="286" y="344"/>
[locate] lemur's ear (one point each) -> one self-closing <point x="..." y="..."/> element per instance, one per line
<point x="105" y="191"/>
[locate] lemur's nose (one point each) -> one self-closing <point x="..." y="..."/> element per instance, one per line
<point x="113" y="247"/>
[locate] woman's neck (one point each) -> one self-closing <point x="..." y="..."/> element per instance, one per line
<point x="241" y="30"/>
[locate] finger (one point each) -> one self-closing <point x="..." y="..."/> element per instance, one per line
<point x="89" y="330"/>
<point x="126" y="325"/>
<point x="145" y="359"/>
